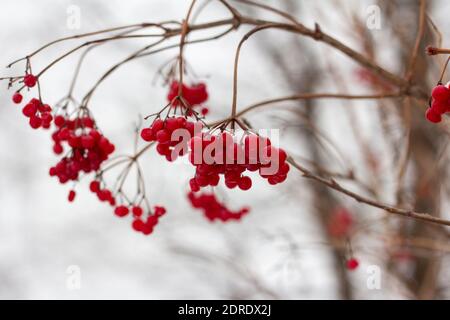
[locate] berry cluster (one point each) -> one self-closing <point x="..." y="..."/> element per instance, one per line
<point x="161" y="131"/>
<point x="146" y="226"/>
<point x="213" y="209"/>
<point x="232" y="159"/>
<point x="38" y="113"/>
<point x="103" y="194"/>
<point x="89" y="148"/>
<point x="139" y="224"/>
<point x="340" y="223"/>
<point x="440" y="103"/>
<point x="194" y="95"/>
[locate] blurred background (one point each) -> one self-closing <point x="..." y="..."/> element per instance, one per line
<point x="285" y="248"/>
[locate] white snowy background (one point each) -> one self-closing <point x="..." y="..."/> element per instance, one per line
<point x="277" y="251"/>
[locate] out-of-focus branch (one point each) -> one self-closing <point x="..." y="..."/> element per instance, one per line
<point x="331" y="183"/>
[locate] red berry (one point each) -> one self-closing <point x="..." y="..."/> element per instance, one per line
<point x="441" y="93"/>
<point x="58" y="148"/>
<point x="29" y="110"/>
<point x="17" y="98"/>
<point x="432" y="116"/>
<point x="87" y="142"/>
<point x="194" y="185"/>
<point x="71" y="196"/>
<point x="137" y="211"/>
<point x="439" y="106"/>
<point x="94" y="186"/>
<point x="159" y="211"/>
<point x="29" y="80"/>
<point x="162" y="136"/>
<point x="121" y="211"/>
<point x="352" y="264"/>
<point x="204" y="111"/>
<point x="59" y="121"/>
<point x="157" y="125"/>
<point x="147" y="134"/>
<point x="138" y="225"/>
<point x="213" y="209"/>
<point x="147" y="229"/>
<point x="47" y="118"/>
<point x="35" y="122"/>
<point x="88" y="122"/>
<point x="245" y="183"/>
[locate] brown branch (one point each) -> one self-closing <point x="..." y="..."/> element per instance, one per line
<point x="184" y="32"/>
<point x="420" y="33"/>
<point x="331" y="183"/>
<point x="307" y="96"/>
<point x="432" y="51"/>
<point x="316" y="34"/>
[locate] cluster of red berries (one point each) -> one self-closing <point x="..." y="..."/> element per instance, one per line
<point x="340" y="222"/>
<point x="103" y="194"/>
<point x="38" y="113"/>
<point x="440" y="103"/>
<point x="232" y="159"/>
<point x="213" y="209"/>
<point x="139" y="224"/>
<point x="352" y="264"/>
<point x="89" y="148"/>
<point x="145" y="226"/>
<point x="194" y="95"/>
<point x="161" y="131"/>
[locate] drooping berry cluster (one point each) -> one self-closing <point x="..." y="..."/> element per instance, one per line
<point x="232" y="159"/>
<point x="440" y="103"/>
<point x="38" y="113"/>
<point x="139" y="223"/>
<point x="195" y="95"/>
<point x="213" y="209"/>
<point x="146" y="226"/>
<point x="161" y="131"/>
<point x="103" y="194"/>
<point x="88" y="147"/>
<point x="340" y="222"/>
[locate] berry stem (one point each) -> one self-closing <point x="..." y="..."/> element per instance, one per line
<point x="184" y="32"/>
<point x="331" y="183"/>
